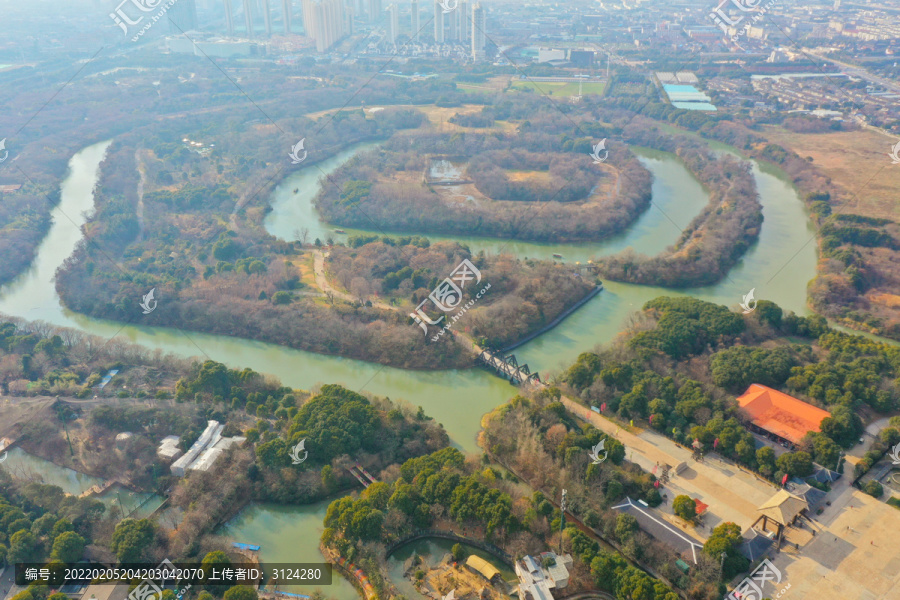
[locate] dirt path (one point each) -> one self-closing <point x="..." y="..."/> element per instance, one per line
<point x="322" y="283"/>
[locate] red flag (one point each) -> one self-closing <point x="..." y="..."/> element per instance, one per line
<point x="603" y="407"/>
<point x="651" y="419"/>
<point x="655" y="467"/>
<point x="784" y="479"/>
<point x="716" y="443"/>
<point x="656" y="483"/>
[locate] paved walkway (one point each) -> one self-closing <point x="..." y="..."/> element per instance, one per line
<point x="854" y="553"/>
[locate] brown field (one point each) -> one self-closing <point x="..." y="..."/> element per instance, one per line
<point x="438" y="116"/>
<point x="15" y="410"/>
<point x="857" y="161"/>
<point x="531" y="176"/>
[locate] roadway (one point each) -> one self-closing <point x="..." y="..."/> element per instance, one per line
<point x="7" y="581"/>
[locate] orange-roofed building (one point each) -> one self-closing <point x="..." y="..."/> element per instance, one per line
<point x="777" y="414"/>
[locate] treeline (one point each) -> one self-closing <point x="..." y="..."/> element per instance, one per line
<point x="339" y="428"/>
<point x="561" y="203"/>
<point x="439" y="478"/>
<point x="849" y="286"/>
<point x="434" y="488"/>
<point x="524" y="295"/>
<point x="569" y="178"/>
<point x="260" y="303"/>
<point x="39" y="359"/>
<point x="39" y="522"/>
<point x="648" y="377"/>
<point x="861" y="257"/>
<point x="715" y="239"/>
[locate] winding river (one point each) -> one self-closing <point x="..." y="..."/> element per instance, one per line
<point x="456" y="398"/>
<point x="778" y="267"/>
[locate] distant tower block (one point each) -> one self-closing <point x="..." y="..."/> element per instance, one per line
<point x="267" y="13"/>
<point x="229" y="18"/>
<point x="478" y="35"/>
<point x="374" y="11"/>
<point x="438" y="24"/>
<point x="453" y="21"/>
<point x="248" y="17"/>
<point x="287" y="9"/>
<point x="393" y="22"/>
<point x="414" y="19"/>
<point x="462" y="15"/>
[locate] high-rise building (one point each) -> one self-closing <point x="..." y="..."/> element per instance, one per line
<point x="438" y="23"/>
<point x="375" y="11"/>
<point x="478" y="37"/>
<point x="453" y="21"/>
<point x="462" y="13"/>
<point x="183" y="15"/>
<point x="324" y="22"/>
<point x="229" y="17"/>
<point x="287" y="9"/>
<point x="393" y="22"/>
<point x="267" y="16"/>
<point x="414" y="19"/>
<point x="248" y="17"/>
<point x="349" y="12"/>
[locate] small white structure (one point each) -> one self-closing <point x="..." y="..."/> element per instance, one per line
<point x="122" y="439"/>
<point x="168" y="448"/>
<point x="536" y="580"/>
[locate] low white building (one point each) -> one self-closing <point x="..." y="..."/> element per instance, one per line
<point x="213" y="452"/>
<point x="213" y="430"/>
<point x="168" y="448"/>
<point x="205" y="451"/>
<point x="551" y="55"/>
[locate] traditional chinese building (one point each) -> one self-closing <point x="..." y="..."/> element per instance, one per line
<point x="779" y="416"/>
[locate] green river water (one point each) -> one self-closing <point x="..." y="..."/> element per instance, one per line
<point x="779" y="267"/>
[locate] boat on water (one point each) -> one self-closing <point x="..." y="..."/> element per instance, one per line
<point x="339" y="231"/>
<point x="296" y="190"/>
<point x="557" y="256"/>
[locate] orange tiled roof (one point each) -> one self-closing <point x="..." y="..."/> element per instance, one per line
<point x="701" y="507"/>
<point x="778" y="413"/>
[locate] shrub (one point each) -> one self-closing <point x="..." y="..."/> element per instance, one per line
<point x="874" y="489"/>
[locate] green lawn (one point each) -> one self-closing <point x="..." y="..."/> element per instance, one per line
<point x="560" y="88"/>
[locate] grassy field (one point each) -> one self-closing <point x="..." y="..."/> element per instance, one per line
<point x="560" y="88"/>
<point x="491" y="85"/>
